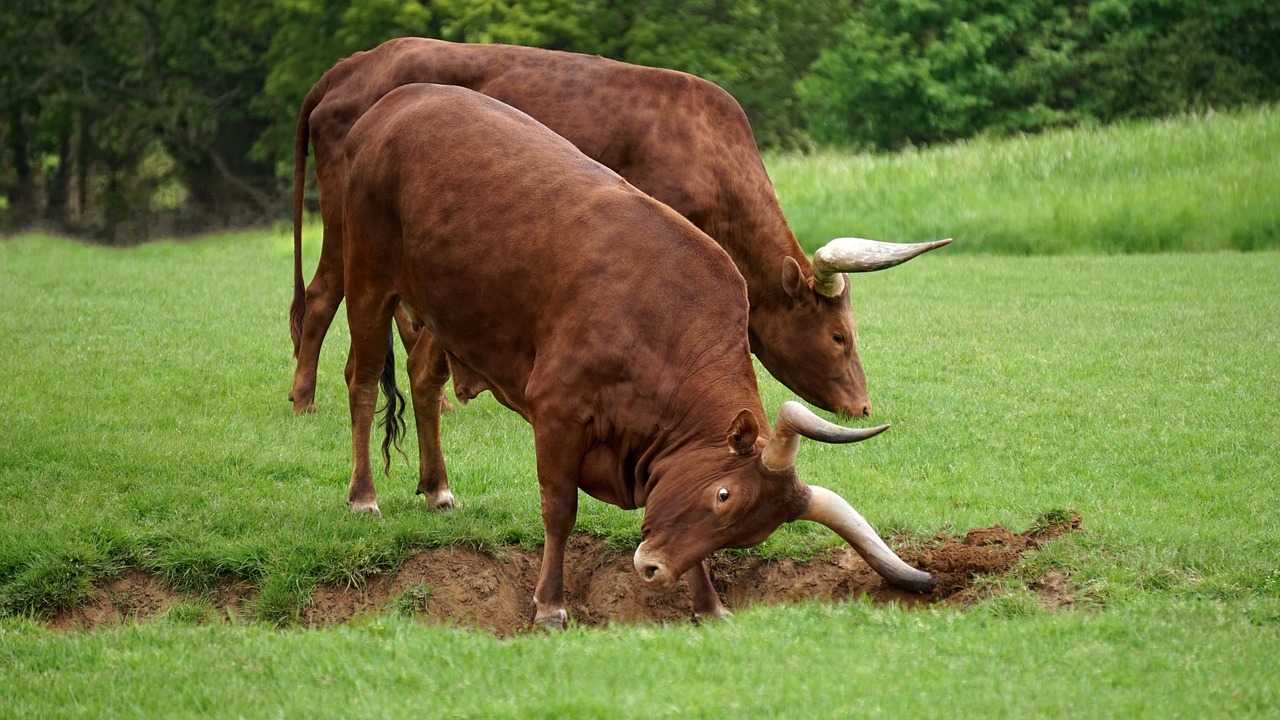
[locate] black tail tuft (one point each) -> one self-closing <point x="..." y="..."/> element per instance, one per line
<point x="393" y="417"/>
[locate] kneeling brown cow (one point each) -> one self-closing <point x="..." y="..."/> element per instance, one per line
<point x="630" y="359"/>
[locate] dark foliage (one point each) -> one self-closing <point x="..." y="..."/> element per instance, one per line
<point x="925" y="71"/>
<point x="124" y="119"/>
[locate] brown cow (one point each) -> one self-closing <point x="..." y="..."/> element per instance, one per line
<point x="680" y="139"/>
<point x="616" y="328"/>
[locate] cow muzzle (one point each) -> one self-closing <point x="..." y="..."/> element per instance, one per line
<point x="653" y="568"/>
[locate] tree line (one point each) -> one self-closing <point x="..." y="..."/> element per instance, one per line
<point x="127" y="118"/>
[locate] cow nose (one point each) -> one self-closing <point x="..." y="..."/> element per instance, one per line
<point x="858" y="410"/>
<point x="652" y="569"/>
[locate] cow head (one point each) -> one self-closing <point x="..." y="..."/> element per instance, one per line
<point x="755" y="490"/>
<point x="807" y="337"/>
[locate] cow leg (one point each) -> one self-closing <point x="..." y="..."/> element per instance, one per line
<point x="370" y="324"/>
<point x="559" y="458"/>
<point x="323" y="296"/>
<point x="428" y="372"/>
<point x="706" y="602"/>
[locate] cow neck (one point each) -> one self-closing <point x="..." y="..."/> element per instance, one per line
<point x="692" y="434"/>
<point x="757" y="237"/>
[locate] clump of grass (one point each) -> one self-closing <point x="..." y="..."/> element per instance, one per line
<point x="48" y="584"/>
<point x="1011" y="603"/>
<point x="193" y="612"/>
<point x="412" y="601"/>
<point x="280" y="600"/>
<point x="1051" y="520"/>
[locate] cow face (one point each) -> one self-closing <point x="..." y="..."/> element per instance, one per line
<point x="724" y="497"/>
<point x="809" y="342"/>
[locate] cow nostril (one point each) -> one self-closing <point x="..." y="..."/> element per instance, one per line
<point x="650" y="571"/>
<point x="855" y="411"/>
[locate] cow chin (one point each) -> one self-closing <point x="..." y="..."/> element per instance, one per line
<point x="838" y="400"/>
<point x="846" y="396"/>
<point x="654" y="568"/>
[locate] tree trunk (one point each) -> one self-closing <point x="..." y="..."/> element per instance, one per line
<point x="22" y="193"/>
<point x="59" y="188"/>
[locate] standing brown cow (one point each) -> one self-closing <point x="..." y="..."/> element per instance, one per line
<point x="680" y="139"/>
<point x="615" y="327"/>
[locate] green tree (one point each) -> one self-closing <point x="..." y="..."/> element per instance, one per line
<point x="303" y="39"/>
<point x="922" y="71"/>
<point x="114" y="98"/>
<point x="108" y="102"/>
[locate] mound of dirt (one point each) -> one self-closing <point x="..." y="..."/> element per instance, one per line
<point x="494" y="591"/>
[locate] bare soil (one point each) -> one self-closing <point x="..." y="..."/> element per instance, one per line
<point x="493" y="590"/>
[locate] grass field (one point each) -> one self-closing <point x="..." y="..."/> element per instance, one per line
<point x="144" y="425"/>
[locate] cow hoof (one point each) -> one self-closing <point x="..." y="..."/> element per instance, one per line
<point x="361" y="508"/>
<point x="706" y="618"/>
<point x="554" y="622"/>
<point x="303" y="402"/>
<point x="443" y="501"/>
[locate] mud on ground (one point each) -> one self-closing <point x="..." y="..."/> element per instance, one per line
<point x="494" y="591"/>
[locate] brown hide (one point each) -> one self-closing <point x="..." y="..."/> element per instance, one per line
<point x="608" y="321"/>
<point x="680" y="139"/>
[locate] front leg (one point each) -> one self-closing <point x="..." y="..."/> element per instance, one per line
<point x="559" y="457"/>
<point x="558" y="515"/>
<point x="706" y="602"/>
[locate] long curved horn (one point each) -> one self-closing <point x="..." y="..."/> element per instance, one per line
<point x="835" y="512"/>
<point x="795" y="420"/>
<point x="844" y="255"/>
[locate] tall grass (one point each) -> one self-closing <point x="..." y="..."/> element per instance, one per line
<point x="1193" y="183"/>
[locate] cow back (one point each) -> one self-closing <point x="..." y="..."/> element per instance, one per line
<point x="640" y="121"/>
<point x="536" y="267"/>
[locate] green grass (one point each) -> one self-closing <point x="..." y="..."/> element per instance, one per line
<point x="1193" y="183"/>
<point x="147" y="426"/>
<point x="144" y="424"/>
<point x="1151" y="659"/>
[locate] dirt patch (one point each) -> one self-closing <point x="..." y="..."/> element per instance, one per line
<point x="494" y="590"/>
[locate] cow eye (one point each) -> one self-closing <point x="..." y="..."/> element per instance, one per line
<point x="838" y="337"/>
<point x="723" y="495"/>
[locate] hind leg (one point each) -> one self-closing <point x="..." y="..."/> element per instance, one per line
<point x="370" y="319"/>
<point x="428" y="372"/>
<point x="323" y="296"/>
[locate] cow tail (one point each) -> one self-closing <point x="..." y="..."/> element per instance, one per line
<point x="301" y="135"/>
<point x="393" y="411"/>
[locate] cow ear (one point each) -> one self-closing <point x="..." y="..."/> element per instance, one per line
<point x="793" y="279"/>
<point x="742" y="433"/>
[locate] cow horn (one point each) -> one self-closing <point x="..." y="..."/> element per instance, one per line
<point x="795" y="420"/>
<point x="844" y="255"/>
<point x="835" y="512"/>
